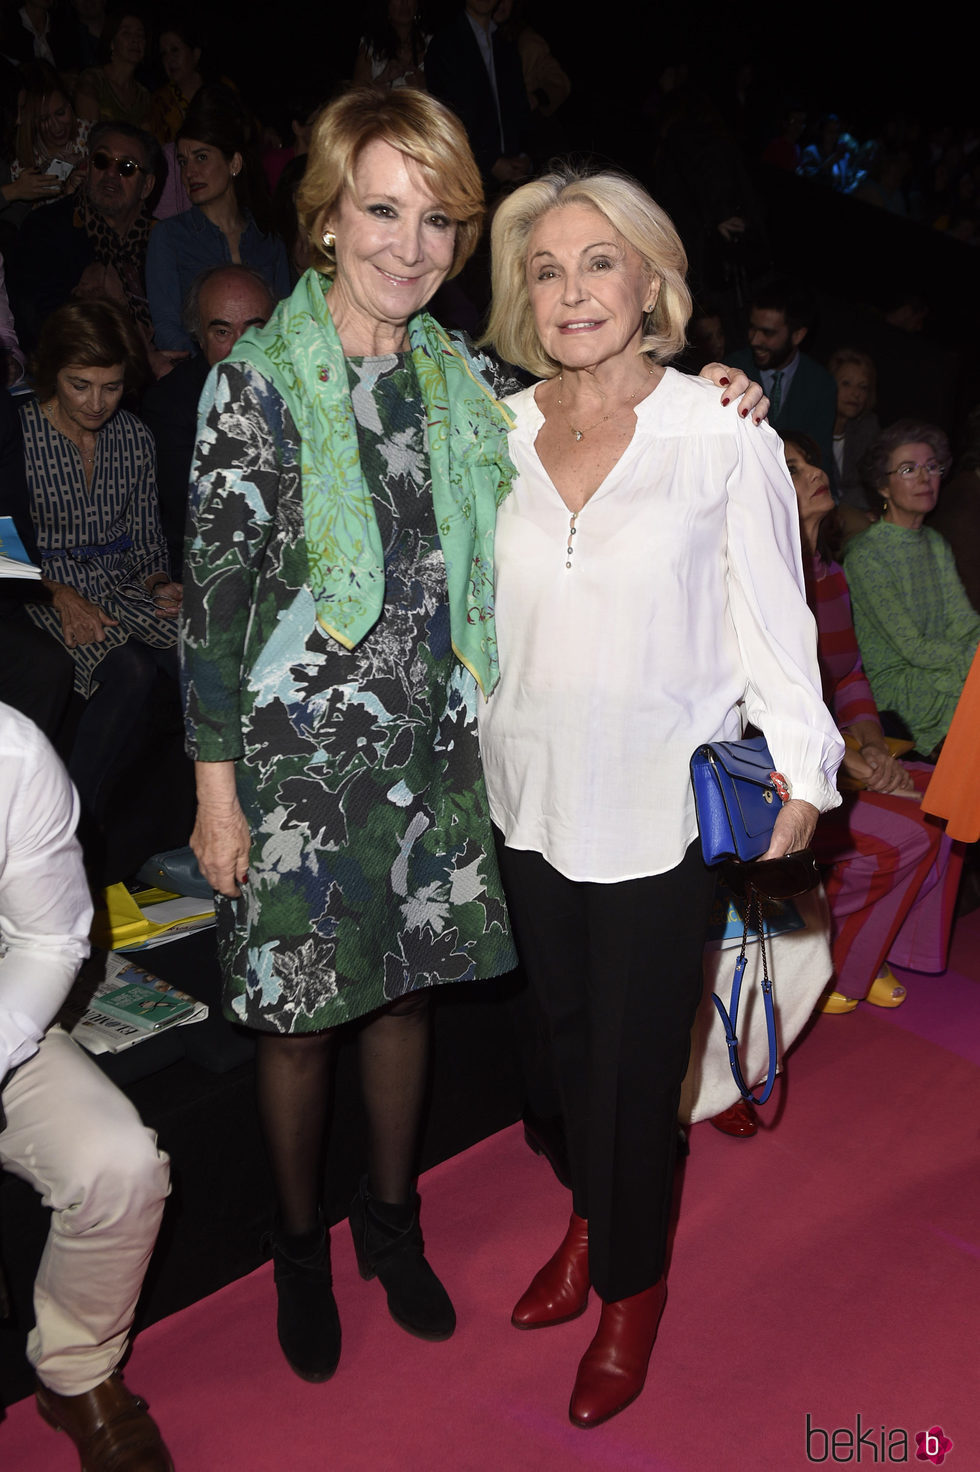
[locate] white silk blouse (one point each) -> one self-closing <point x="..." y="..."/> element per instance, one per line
<point x="670" y="607"/>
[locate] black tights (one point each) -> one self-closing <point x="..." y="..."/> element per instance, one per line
<point x="294" y="1077"/>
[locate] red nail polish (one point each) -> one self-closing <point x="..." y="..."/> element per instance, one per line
<point x="744" y="413"/>
<point x="724" y="382"/>
<point x="724" y="402"/>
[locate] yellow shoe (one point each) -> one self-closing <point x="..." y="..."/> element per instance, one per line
<point x="836" y="1003"/>
<point x="886" y="990"/>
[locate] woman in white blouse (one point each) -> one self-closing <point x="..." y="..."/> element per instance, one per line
<point x="649" y="583"/>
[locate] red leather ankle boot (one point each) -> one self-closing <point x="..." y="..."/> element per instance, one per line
<point x="560" y="1291"/>
<point x="614" y="1366"/>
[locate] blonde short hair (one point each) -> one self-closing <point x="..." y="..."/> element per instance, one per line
<point x="632" y="214"/>
<point x="864" y="361"/>
<point x="419" y="127"/>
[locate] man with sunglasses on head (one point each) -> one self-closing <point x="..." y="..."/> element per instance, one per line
<point x="93" y="243"/>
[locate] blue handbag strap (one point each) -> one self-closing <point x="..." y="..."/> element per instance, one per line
<point x="729" y="1021"/>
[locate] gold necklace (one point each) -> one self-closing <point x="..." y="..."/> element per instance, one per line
<point x="588" y="428"/>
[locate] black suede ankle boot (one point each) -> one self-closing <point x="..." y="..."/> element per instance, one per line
<point x="307" y="1322"/>
<point x="388" y="1243"/>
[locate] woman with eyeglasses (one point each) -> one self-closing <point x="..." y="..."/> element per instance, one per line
<point x="91" y="475"/>
<point x="892" y="875"/>
<point x="227" y="221"/>
<point x="916" y="628"/>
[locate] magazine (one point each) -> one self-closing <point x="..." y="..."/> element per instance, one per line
<point x="151" y="1006"/>
<point x="101" y="1030"/>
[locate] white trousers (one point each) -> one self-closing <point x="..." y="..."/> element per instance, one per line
<point x="82" y="1145"/>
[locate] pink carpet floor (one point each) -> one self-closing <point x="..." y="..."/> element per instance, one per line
<point x="829" y="1268"/>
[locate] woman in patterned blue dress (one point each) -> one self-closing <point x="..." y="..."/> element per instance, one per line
<point x="91" y="473"/>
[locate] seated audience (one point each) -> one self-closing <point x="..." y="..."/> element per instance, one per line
<point x="227" y="218"/>
<point x="52" y="141"/>
<point x="180" y="54"/>
<point x="545" y="80"/>
<point x="173" y="198"/>
<point x="287" y="135"/>
<point x="65" y="1129"/>
<point x="221" y="304"/>
<point x="112" y="92"/>
<point x="92" y="480"/>
<point x="882" y="184"/>
<point x="27" y="31"/>
<point x="826" y="158"/>
<point x="783" y="151"/>
<point x="474" y="70"/>
<point x="92" y="245"/>
<point x="893" y="874"/>
<point x="855" y="430"/>
<point x="801" y="393"/>
<point x="36" y="673"/>
<point x="915" y="625"/>
<point x="77" y="30"/>
<point x="392" y="50"/>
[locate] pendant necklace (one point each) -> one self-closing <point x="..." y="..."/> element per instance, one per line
<point x="588" y="428"/>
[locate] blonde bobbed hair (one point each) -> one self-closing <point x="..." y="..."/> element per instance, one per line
<point x="864" y="361"/>
<point x="419" y="127"/>
<point x="632" y="214"/>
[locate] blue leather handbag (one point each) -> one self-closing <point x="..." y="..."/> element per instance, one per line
<point x="737" y="801"/>
<point x="735" y="797"/>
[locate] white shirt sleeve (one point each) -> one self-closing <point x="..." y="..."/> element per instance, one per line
<point x="45" y="908"/>
<point x="777" y="635"/>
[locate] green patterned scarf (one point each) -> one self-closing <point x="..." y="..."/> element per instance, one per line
<point x="299" y="352"/>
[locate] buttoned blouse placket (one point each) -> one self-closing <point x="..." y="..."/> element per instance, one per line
<point x="572" y="530"/>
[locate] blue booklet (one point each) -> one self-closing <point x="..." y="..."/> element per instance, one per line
<point x="14" y="561"/>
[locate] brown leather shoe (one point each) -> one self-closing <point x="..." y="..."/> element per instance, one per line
<point x="560" y="1290"/>
<point x="739" y="1121"/>
<point x="614" y="1367"/>
<point x="109" y="1426"/>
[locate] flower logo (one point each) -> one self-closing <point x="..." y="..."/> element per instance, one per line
<point x="933" y="1446"/>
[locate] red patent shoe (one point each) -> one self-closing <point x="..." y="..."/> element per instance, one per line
<point x="614" y="1367"/>
<point x="560" y="1291"/>
<point x="739" y="1121"/>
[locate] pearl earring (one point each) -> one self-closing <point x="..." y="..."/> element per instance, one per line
<point x="329" y="239"/>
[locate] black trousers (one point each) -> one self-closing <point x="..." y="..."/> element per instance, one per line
<point x="617" y="969"/>
<point x="36" y="672"/>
